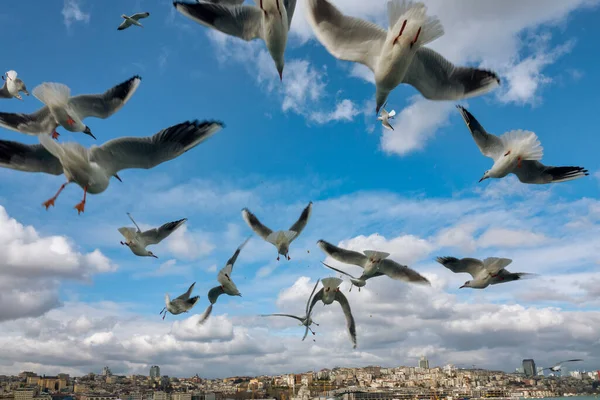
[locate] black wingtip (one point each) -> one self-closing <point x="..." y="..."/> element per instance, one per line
<point x="197" y="123"/>
<point x="443" y="260"/>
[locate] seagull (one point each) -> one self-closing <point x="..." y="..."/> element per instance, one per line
<point x="270" y="21"/>
<point x="138" y="240"/>
<point x="329" y="293"/>
<point x="180" y="304"/>
<point x="375" y="263"/>
<point x="385" y="117"/>
<point x="490" y="271"/>
<point x="223" y="2"/>
<point x="133" y="20"/>
<point x="558" y="366"/>
<point x="227" y="286"/>
<point x="92" y="168"/>
<point x="12" y="86"/>
<point x="358" y="282"/>
<point x="62" y="109"/>
<point x="529" y="171"/>
<point x="305" y="321"/>
<point x="280" y="239"/>
<point x="398" y="55"/>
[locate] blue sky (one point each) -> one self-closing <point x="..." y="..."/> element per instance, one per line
<point x="313" y="137"/>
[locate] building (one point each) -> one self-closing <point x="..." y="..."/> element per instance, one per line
<point x="23" y="394"/>
<point x="424" y="363"/>
<point x="529" y="367"/>
<point x="540" y="371"/>
<point x="154" y="372"/>
<point x="106" y="371"/>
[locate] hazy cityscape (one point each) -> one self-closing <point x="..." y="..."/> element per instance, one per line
<point x="374" y="382"/>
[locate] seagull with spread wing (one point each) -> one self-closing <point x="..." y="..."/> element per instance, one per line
<point x="397" y="55"/>
<point x="530" y="171"/>
<point x="270" y="21"/>
<point x="138" y="240"/>
<point x="12" y="86"/>
<point x="181" y="304"/>
<point x="359" y="282"/>
<point x="385" y="118"/>
<point x="133" y="20"/>
<point x="92" y="168"/>
<point x="227" y="286"/>
<point x="280" y="239"/>
<point x="558" y="366"/>
<point x="490" y="271"/>
<point x="62" y="109"/>
<point x="305" y="321"/>
<point x="374" y="263"/>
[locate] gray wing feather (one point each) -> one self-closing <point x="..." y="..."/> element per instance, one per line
<point x="283" y="315"/>
<point x="235" y="255"/>
<point x="338" y="270"/>
<point x="38" y="122"/>
<point x="340" y="298"/>
<point x="224" y="2"/>
<point x="401" y="272"/>
<point x="29" y="158"/>
<point x="105" y="104"/>
<point x="148" y="152"/>
<point x="156" y="235"/>
<point x="472" y="266"/>
<point x="255" y="224"/>
<point x="534" y="172"/>
<point x="214" y="293"/>
<point x="318" y="297"/>
<point x="187" y="294"/>
<point x="124" y="25"/>
<point x="489" y="145"/>
<point x="299" y="226"/>
<point x="308" y="302"/>
<point x="342" y="255"/>
<point x="290" y="7"/>
<point x="139" y="16"/>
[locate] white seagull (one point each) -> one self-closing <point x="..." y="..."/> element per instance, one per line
<point x="375" y="263"/>
<point x="305" y="321"/>
<point x="63" y="110"/>
<point x="558" y="366"/>
<point x="329" y="293"/>
<point x="270" y="21"/>
<point x="180" y="304"/>
<point x="92" y="168"/>
<point x="397" y="55"/>
<point x="133" y="20"/>
<point x="359" y="282"/>
<point x="280" y="239"/>
<point x="490" y="271"/>
<point x="227" y="286"/>
<point x="527" y="171"/>
<point x="138" y="240"/>
<point x="12" y="86"/>
<point x="385" y="117"/>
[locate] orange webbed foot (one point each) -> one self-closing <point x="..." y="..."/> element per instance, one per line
<point x="49" y="203"/>
<point x="80" y="207"/>
<point x="55" y="135"/>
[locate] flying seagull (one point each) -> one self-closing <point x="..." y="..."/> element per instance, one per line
<point x="180" y="304"/>
<point x="270" y="21"/>
<point x="92" y="168"/>
<point x="280" y="239"/>
<point x="375" y="263"/>
<point x="529" y="171"/>
<point x="223" y="2"/>
<point x="385" y="117"/>
<point x="138" y="240"/>
<point x="558" y="366"/>
<point x="12" y="86"/>
<point x="398" y="55"/>
<point x="490" y="271"/>
<point x="358" y="282"/>
<point x="62" y="109"/>
<point x="133" y="20"/>
<point x="227" y="286"/>
<point x="329" y="293"/>
<point x="305" y="321"/>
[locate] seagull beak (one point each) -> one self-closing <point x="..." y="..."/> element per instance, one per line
<point x="481" y="180"/>
<point x="88" y="131"/>
<point x="462" y="286"/>
<point x="154" y="256"/>
<point x="281" y="76"/>
<point x="118" y="177"/>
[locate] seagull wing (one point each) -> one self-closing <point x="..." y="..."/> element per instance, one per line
<point x="472" y="266"/>
<point x="157" y="235"/>
<point x="401" y="272"/>
<point x="283" y="315"/>
<point x="124" y="25"/>
<point x="338" y="270"/>
<point x="187" y="294"/>
<point x="244" y="22"/>
<point x="255" y="224"/>
<point x="214" y="293"/>
<point x="148" y="152"/>
<point x="105" y="104"/>
<point x="38" y="122"/>
<point x="533" y="171"/>
<point x="343" y="255"/>
<point x="234" y="257"/>
<point x="490" y="145"/>
<point x="308" y="303"/>
<point x="290" y="7"/>
<point x="139" y="16"/>
<point x="346" y="38"/>
<point x="495" y="264"/>
<point x="28" y="158"/>
<point x="299" y="225"/>
<point x="128" y="233"/>
<point x="340" y="298"/>
<point x="317" y="297"/>
<point x="438" y="79"/>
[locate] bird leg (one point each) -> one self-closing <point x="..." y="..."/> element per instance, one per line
<point x="288" y="257"/>
<point x="50" y="202"/>
<point x="164" y="315"/>
<point x="507" y="153"/>
<point x="415" y="39"/>
<point x="519" y="163"/>
<point x="55" y="135"/>
<point x="277" y="257"/>
<point x="401" y="30"/>
<point x="125" y="243"/>
<point x="81" y="206"/>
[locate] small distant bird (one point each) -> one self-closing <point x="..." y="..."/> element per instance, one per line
<point x="397" y="55"/>
<point x="558" y="366"/>
<point x="305" y="321"/>
<point x="385" y="117"/>
<point x="92" y="168"/>
<point x="133" y="20"/>
<point x="527" y="171"/>
<point x="12" y="86"/>
<point x="270" y="21"/>
<point x="375" y="263"/>
<point x="227" y="286"/>
<point x="329" y="293"/>
<point x="280" y="239"/>
<point x="180" y="304"/>
<point x="490" y="271"/>
<point x="138" y="240"/>
<point x="358" y="282"/>
<point x="63" y="110"/>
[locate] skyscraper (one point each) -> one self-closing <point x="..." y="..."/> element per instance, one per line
<point x="424" y="362"/>
<point x="154" y="372"/>
<point x="529" y="367"/>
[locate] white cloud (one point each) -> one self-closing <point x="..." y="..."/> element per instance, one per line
<point x="500" y="237"/>
<point x="345" y="110"/>
<point x="72" y="13"/>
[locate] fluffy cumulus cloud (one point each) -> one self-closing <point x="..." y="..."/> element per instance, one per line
<point x="72" y="13"/>
<point x="396" y="322"/>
